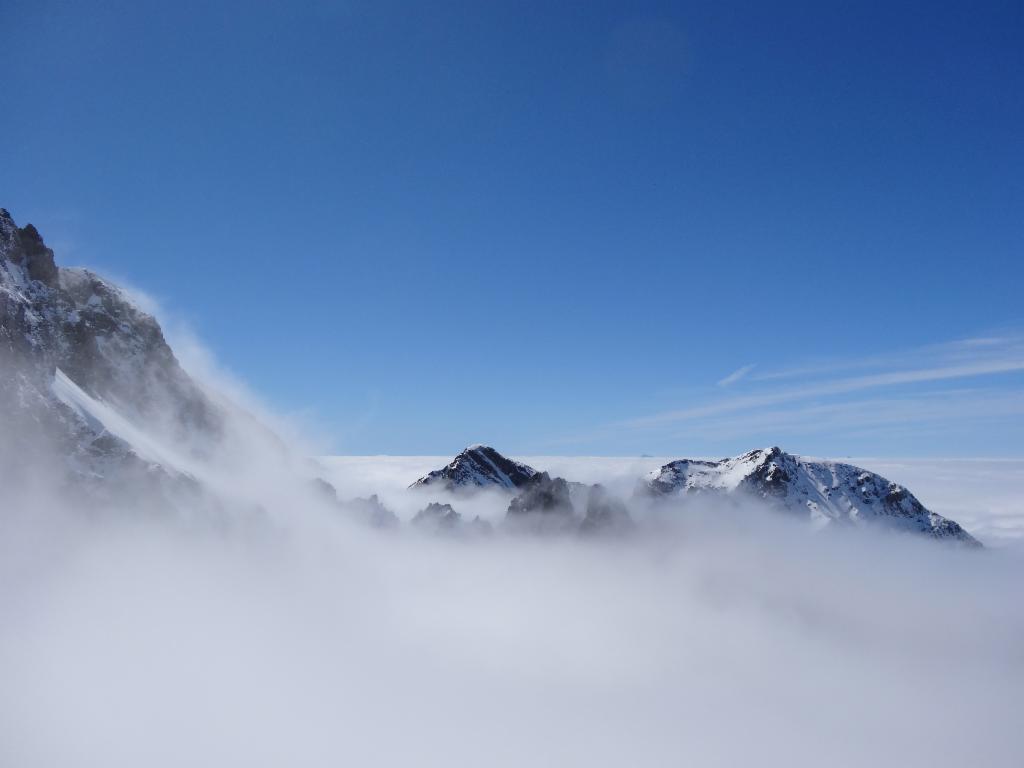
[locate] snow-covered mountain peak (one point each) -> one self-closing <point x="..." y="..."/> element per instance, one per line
<point x="80" y="363"/>
<point x="72" y="319"/>
<point x="827" y="492"/>
<point x="479" y="466"/>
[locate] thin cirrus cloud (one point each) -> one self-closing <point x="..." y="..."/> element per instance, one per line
<point x="927" y="412"/>
<point x="930" y="397"/>
<point x="837" y="387"/>
<point x="970" y="348"/>
<point x="887" y="390"/>
<point x="737" y="375"/>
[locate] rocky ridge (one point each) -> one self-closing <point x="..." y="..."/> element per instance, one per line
<point x="826" y="492"/>
<point x="476" y="467"/>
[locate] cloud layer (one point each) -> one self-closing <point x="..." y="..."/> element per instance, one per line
<point x="729" y="637"/>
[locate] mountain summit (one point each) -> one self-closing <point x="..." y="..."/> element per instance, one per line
<point x="73" y="320"/>
<point x="80" y="363"/>
<point x="479" y="466"/>
<point x="828" y="492"/>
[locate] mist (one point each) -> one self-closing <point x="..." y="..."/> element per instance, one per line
<point x="728" y="637"/>
<point x="256" y="623"/>
<point x="777" y="245"/>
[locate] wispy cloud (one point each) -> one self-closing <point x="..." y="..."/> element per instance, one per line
<point x="835" y="387"/>
<point x="955" y="350"/>
<point x="917" y="410"/>
<point x="739" y="373"/>
<point x="925" y="387"/>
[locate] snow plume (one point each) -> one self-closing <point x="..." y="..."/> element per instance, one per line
<point x="281" y="633"/>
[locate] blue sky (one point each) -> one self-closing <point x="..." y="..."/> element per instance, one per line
<point x="608" y="228"/>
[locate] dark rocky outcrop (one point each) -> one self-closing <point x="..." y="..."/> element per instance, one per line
<point x="24" y="246"/>
<point x="543" y="505"/>
<point x="437" y="517"/>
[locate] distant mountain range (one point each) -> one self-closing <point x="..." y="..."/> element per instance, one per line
<point x="87" y="376"/>
<point x="826" y="493"/>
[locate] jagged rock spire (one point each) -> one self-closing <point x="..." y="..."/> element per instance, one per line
<point x="24" y="246"/>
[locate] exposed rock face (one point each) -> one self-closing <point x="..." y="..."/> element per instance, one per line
<point x="543" y="505"/>
<point x="73" y="320"/>
<point x="68" y="327"/>
<point x="478" y="466"/>
<point x="605" y="513"/>
<point x="829" y="493"/>
<point x="26" y="249"/>
<point x="437" y="517"/>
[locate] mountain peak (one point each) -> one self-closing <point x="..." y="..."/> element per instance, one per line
<point x="24" y="246"/>
<point x="829" y="493"/>
<point x="479" y="466"/>
<point x="758" y="455"/>
<point x="73" y="321"/>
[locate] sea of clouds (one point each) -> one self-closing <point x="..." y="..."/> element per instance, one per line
<point x="727" y="640"/>
<point x="295" y="636"/>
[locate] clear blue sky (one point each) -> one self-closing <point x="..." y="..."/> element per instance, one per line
<point x="555" y="227"/>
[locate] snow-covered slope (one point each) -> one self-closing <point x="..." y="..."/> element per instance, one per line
<point x="827" y="492"/>
<point x="479" y="466"/>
